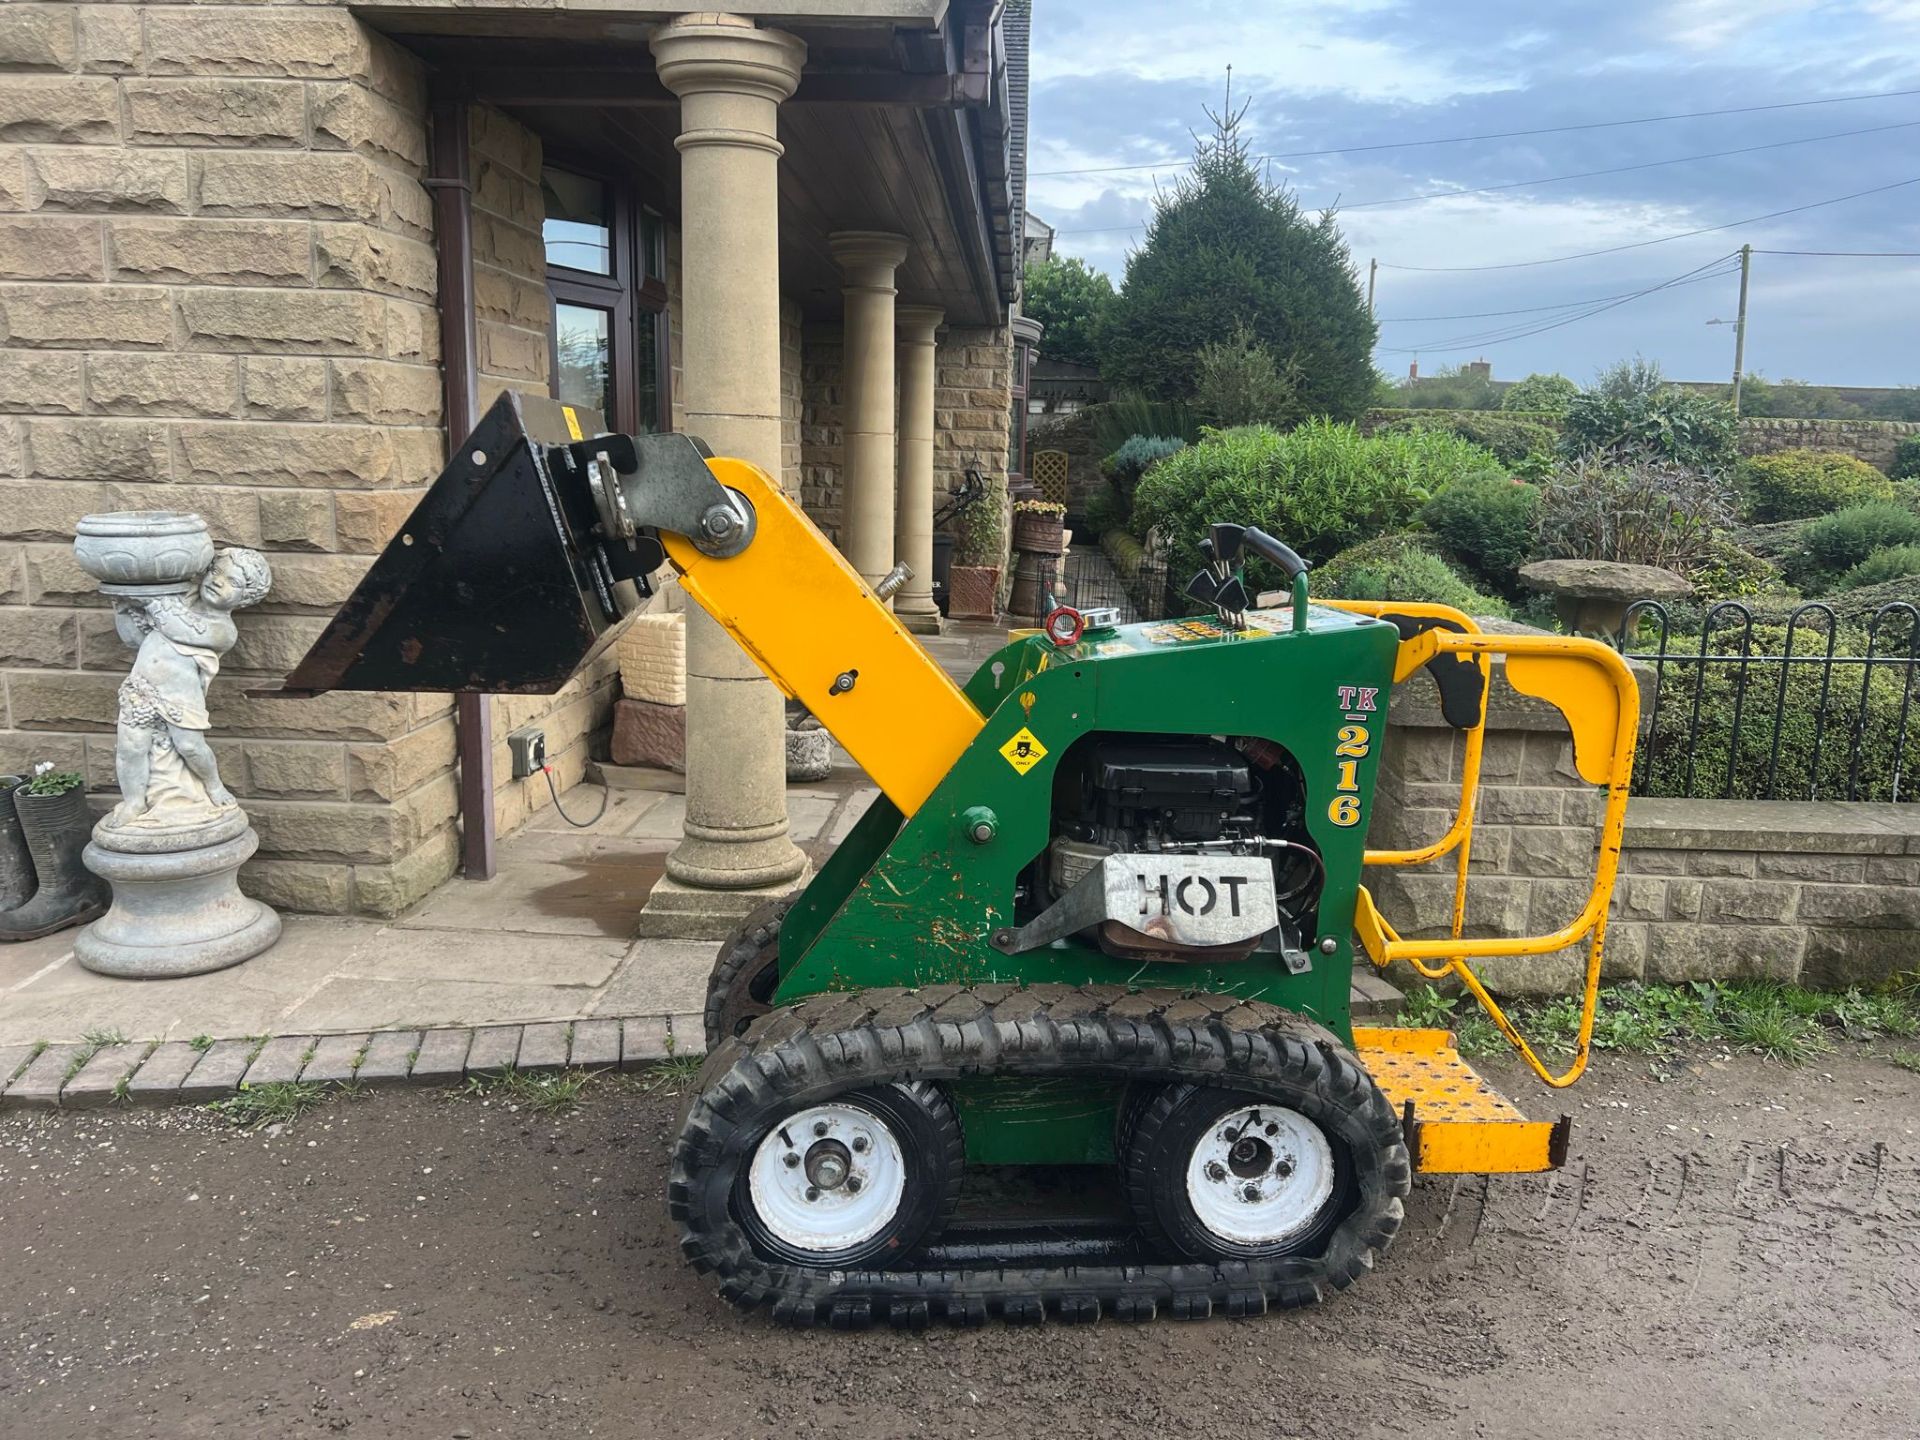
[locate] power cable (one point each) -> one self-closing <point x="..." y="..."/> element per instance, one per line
<point x="1570" y="175"/>
<point x="1522" y="332"/>
<point x="1849" y="254"/>
<point x="1658" y="239"/>
<point x="1490" y="135"/>
<point x="1524" y="309"/>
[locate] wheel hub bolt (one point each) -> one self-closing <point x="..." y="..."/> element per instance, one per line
<point x="791" y="1159"/>
<point x="1283" y="1169"/>
<point x="1216" y="1171"/>
<point x="1252" y="1193"/>
<point x="853" y="1184"/>
<point x="820" y="1127"/>
<point x="812" y="1194"/>
<point x="859" y="1144"/>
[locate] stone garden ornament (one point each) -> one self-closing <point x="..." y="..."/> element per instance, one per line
<point x="173" y="846"/>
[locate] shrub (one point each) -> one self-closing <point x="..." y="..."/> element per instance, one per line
<point x="1134" y="458"/>
<point x="1510" y="438"/>
<point x="1130" y="413"/>
<point x="1104" y="510"/>
<point x="1675" y="425"/>
<point x="1906" y="459"/>
<point x="1545" y="393"/>
<point x="1238" y="382"/>
<point x="1897" y="562"/>
<point x="1804" y="727"/>
<point x="1726" y="571"/>
<point x="1636" y="508"/>
<point x="1800" y="484"/>
<point x="1320" y="488"/>
<point x="1834" y="544"/>
<point x="1399" y="567"/>
<point x="1487" y="523"/>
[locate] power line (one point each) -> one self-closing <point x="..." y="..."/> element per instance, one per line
<point x="1570" y="175"/>
<point x="1521" y="332"/>
<point x="1491" y="135"/>
<point x="1522" y="310"/>
<point x="1623" y="169"/>
<point x="1658" y="239"/>
<point x="1850" y="254"/>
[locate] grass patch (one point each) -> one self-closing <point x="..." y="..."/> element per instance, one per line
<point x="280" y="1102"/>
<point x="202" y="1043"/>
<point x="670" y="1076"/>
<point x="1786" y="1023"/>
<point x="1906" y="1059"/>
<point x="92" y="1042"/>
<point x="545" y="1091"/>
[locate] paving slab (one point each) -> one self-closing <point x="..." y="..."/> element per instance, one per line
<point x="482" y="954"/>
<point x="42" y="1082"/>
<point x="335" y="1058"/>
<point x="219" y="1072"/>
<point x="495" y="1048"/>
<point x="643" y="1041"/>
<point x="807" y="817"/>
<point x="389" y="1058"/>
<point x="160" y="1076"/>
<point x="100" y="1077"/>
<point x="596" y="1044"/>
<point x="352" y="1003"/>
<point x="443" y="1057"/>
<point x="660" y="977"/>
<point x="850" y="815"/>
<point x="14" y="1058"/>
<point x="689" y="1034"/>
<point x="280" y="1061"/>
<point x="21" y="960"/>
<point x="663" y="821"/>
<point x="583" y="896"/>
<point x="543" y="1047"/>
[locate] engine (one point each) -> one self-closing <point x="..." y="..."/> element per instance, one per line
<point x="1184" y="795"/>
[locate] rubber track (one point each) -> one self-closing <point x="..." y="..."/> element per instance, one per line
<point x="805" y="1053"/>
<point x="740" y="958"/>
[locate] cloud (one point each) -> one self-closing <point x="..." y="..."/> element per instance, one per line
<point x="1119" y="82"/>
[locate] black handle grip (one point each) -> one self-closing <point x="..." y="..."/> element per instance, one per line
<point x="1277" y="551"/>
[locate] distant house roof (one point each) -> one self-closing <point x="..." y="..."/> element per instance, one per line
<point x="1039" y="241"/>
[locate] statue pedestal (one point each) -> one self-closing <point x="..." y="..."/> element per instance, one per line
<point x="177" y="907"/>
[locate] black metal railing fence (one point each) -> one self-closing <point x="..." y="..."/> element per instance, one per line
<point x="1814" y="706"/>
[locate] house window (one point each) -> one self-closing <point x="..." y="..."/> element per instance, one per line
<point x="606" y="277"/>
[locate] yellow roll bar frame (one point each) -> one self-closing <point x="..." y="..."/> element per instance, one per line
<point x="1594" y="688"/>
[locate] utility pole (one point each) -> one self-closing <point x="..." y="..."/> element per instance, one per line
<point x="1740" y="328"/>
<point x="1373" y="270"/>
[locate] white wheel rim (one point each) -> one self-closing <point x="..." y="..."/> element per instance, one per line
<point x="1260" y="1175"/>
<point x="827" y="1178"/>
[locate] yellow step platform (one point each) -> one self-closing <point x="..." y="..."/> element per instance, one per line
<point x="1456" y="1122"/>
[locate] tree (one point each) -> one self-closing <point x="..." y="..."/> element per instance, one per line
<point x="1546" y="393"/>
<point x="1071" y="299"/>
<point x="1238" y="382"/>
<point x="1225" y="249"/>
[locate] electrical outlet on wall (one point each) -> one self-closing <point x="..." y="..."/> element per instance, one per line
<point x="528" y="747"/>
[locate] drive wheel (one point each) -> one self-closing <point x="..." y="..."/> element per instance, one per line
<point x="1219" y="1174"/>
<point x="869" y="1176"/>
<point x="745" y="974"/>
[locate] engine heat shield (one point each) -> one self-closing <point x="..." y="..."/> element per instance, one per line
<point x="1164" y="905"/>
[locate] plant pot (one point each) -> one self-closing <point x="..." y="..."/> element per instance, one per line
<point x="1038" y="534"/>
<point x="143" y="548"/>
<point x="974" y="592"/>
<point x="16" y="866"/>
<point x="1033" y="580"/>
<point x="65" y="891"/>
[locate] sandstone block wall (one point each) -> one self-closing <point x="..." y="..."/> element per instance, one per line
<point x="1824" y="894"/>
<point x="1873" y="441"/>
<point x="217" y="293"/>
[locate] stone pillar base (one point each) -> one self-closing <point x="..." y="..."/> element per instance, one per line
<point x="928" y="623"/>
<point x="175" y="911"/>
<point x="682" y="912"/>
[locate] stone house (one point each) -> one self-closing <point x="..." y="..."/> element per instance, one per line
<point x="259" y="260"/>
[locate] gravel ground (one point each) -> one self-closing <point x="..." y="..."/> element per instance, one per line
<point x="1732" y="1252"/>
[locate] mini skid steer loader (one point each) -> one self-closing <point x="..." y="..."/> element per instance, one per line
<point x="1104" y="911"/>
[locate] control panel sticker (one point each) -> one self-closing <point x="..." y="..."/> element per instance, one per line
<point x="1023" y="750"/>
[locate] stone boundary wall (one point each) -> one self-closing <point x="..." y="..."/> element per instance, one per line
<point x="1823" y="894"/>
<point x="1873" y="441"/>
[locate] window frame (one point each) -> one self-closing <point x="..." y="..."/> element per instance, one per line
<point x="636" y="286"/>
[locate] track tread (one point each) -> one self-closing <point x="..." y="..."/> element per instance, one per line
<point x="827" y="1044"/>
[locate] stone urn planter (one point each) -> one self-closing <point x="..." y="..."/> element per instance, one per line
<point x="1040" y="530"/>
<point x="974" y="592"/>
<point x="1591" y="597"/>
<point x="143" y="551"/>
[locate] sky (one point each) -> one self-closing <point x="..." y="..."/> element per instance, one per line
<point x="1123" y="83"/>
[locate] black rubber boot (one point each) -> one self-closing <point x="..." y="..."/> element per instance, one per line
<point x="56" y="829"/>
<point x="16" y="866"/>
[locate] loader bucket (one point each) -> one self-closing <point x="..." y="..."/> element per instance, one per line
<point x="494" y="582"/>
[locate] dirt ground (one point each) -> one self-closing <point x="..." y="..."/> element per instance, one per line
<point x="1732" y="1252"/>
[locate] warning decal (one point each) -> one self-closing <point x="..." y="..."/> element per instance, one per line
<point x="1024" y="750"/>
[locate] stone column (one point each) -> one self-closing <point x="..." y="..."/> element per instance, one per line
<point x="868" y="259"/>
<point x="731" y="78"/>
<point x="913" y="507"/>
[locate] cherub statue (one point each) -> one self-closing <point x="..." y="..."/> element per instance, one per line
<point x="167" y="772"/>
